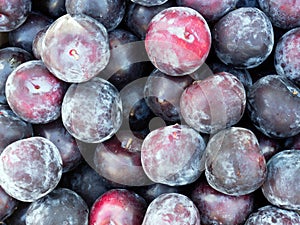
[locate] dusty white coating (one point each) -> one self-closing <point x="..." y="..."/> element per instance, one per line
<point x="246" y="32"/>
<point x="169" y="57"/>
<point x="30" y="168"/>
<point x="281" y="187"/>
<point x="40" y="102"/>
<point x="287" y="55"/>
<point x="92" y="111"/>
<point x="228" y="153"/>
<point x="271" y="215"/>
<point x="149" y="2"/>
<point x="172" y="209"/>
<point x="172" y="155"/>
<point x="62" y="206"/>
<point x="83" y="34"/>
<point x="203" y="104"/>
<point x="284" y="14"/>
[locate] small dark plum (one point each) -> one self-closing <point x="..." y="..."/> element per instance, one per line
<point x="126" y="59"/>
<point x="51" y="8"/>
<point x="61" y="206"/>
<point x="217" y="208"/>
<point x="92" y="110"/>
<point x="211" y="10"/>
<point x="273" y="106"/>
<point x="24" y="35"/>
<point x="172" y="209"/>
<point x="12" y="128"/>
<point x="66" y="144"/>
<point x="269" y="146"/>
<point x="30" y="168"/>
<point x="118" y="206"/>
<point x="136" y="112"/>
<point x="138" y="17"/>
<point x="75" y="48"/>
<point x="162" y="94"/>
<point x="243" y="38"/>
<point x="172" y="155"/>
<point x="272" y="215"/>
<point x="34" y="93"/>
<point x="178" y="40"/>
<point x="283" y="13"/>
<point x="149" y="2"/>
<point x="292" y="142"/>
<point x="234" y="162"/>
<point x="13" y="14"/>
<point x="86" y="182"/>
<point x="287" y="52"/>
<point x="7" y="205"/>
<point x="108" y="12"/>
<point x="209" y="109"/>
<point x="10" y="59"/>
<point x="119" y="160"/>
<point x="281" y="187"/>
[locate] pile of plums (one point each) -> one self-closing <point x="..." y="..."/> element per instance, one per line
<point x="149" y="112"/>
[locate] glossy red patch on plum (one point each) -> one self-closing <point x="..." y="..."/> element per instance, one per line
<point x="119" y="207"/>
<point x="178" y="40"/>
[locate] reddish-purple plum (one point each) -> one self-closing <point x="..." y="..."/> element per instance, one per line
<point x="178" y="40"/>
<point x="281" y="187"/>
<point x="172" y="209"/>
<point x="34" y="93"/>
<point x="75" y="48"/>
<point x="234" y="163"/>
<point x="172" y="155"/>
<point x="30" y="168"/>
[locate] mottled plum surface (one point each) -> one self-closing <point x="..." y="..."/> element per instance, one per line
<point x="234" y="163"/>
<point x="282" y="13"/>
<point x="271" y="215"/>
<point x="217" y="208"/>
<point x="13" y="13"/>
<point x="209" y="109"/>
<point x="172" y="155"/>
<point x="287" y="55"/>
<point x="281" y="187"/>
<point x="66" y="144"/>
<point x="92" y="110"/>
<point x="243" y="38"/>
<point x="211" y="10"/>
<point x="273" y="106"/>
<point x="75" y="48"/>
<point x="30" y="168"/>
<point x="178" y="40"/>
<point x="34" y="93"/>
<point x="61" y="206"/>
<point x="172" y="209"/>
